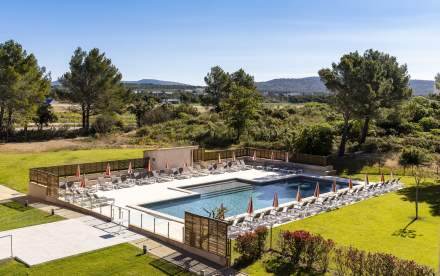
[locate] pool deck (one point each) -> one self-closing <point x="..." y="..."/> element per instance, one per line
<point x="173" y="189"/>
<point x="139" y="195"/>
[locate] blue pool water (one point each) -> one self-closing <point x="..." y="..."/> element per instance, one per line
<point x="234" y="195"/>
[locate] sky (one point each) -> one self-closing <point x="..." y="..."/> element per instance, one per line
<point x="180" y="40"/>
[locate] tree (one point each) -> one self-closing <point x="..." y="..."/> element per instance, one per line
<point x="23" y="84"/>
<point x="414" y="158"/>
<point x="241" y="78"/>
<point x="315" y="139"/>
<point x="343" y="82"/>
<point x="437" y="82"/>
<point x="94" y="83"/>
<point x="44" y="116"/>
<point x="218" y="84"/>
<point x="383" y="83"/>
<point x="240" y="107"/>
<point x="140" y="105"/>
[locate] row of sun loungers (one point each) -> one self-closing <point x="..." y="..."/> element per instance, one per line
<point x="72" y="192"/>
<point x="86" y="198"/>
<point x="310" y="207"/>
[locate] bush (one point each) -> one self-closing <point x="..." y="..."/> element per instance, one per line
<point x="105" y="124"/>
<point x="301" y="250"/>
<point x="315" y="139"/>
<point x="261" y="232"/>
<point x="351" y="261"/>
<point x="435" y="131"/>
<point x="168" y="112"/>
<point x="429" y="123"/>
<point x="373" y="144"/>
<point x="251" y="245"/>
<point x="412" y="157"/>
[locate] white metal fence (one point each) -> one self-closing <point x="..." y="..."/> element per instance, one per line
<point x="127" y="216"/>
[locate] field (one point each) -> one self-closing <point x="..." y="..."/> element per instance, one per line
<point x="123" y="259"/>
<point x="14" y="215"/>
<point x="14" y="167"/>
<point x="381" y="224"/>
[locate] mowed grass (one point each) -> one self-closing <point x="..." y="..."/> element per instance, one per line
<point x="123" y="259"/>
<point x="380" y="224"/>
<point x="15" y="215"/>
<point x="14" y="167"/>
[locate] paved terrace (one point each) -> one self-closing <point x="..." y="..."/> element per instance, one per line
<point x="163" y="191"/>
<point x="46" y="242"/>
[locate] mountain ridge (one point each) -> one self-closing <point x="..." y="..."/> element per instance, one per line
<point x="309" y="85"/>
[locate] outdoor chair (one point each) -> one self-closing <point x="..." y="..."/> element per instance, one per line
<point x="195" y="172"/>
<point x="244" y="166"/>
<point x="160" y="178"/>
<point x="103" y="199"/>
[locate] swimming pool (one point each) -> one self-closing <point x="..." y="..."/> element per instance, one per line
<point x="234" y="195"/>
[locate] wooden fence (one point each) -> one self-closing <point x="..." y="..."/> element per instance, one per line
<point x="95" y="167"/>
<point x="203" y="155"/>
<point x="207" y="234"/>
<point x="49" y="176"/>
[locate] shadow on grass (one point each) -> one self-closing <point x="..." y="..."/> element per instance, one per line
<point x="16" y="206"/>
<point x="168" y="268"/>
<point x="428" y="193"/>
<point x="405" y="232"/>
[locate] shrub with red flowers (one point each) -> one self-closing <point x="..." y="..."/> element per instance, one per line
<point x="251" y="245"/>
<point x="300" y="250"/>
<point x="261" y="232"/>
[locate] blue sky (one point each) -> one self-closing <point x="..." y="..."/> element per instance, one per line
<point x="181" y="40"/>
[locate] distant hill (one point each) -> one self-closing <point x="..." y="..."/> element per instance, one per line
<point x="311" y="85"/>
<point x="156" y="82"/>
<point x="302" y="85"/>
<point x="422" y="87"/>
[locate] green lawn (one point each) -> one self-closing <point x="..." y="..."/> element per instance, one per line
<point x="380" y="224"/>
<point x="14" y="215"/>
<point x="123" y="259"/>
<point x="14" y="167"/>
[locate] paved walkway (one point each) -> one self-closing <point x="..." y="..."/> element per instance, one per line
<point x="46" y="242"/>
<point x="7" y="193"/>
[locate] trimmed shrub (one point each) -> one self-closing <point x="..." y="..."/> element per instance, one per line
<point x="251" y="245"/>
<point x="261" y="232"/>
<point x="351" y="261"/>
<point x="300" y="250"/>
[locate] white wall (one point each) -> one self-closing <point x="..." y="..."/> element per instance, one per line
<point x="175" y="157"/>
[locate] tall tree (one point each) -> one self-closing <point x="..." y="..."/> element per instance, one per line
<point x="44" y="115"/>
<point x="140" y="105"/>
<point x="240" y="107"/>
<point x="383" y="83"/>
<point x="343" y="82"/>
<point x="437" y="82"/>
<point x="218" y="83"/>
<point x="94" y="83"/>
<point x="241" y="78"/>
<point x="23" y="84"/>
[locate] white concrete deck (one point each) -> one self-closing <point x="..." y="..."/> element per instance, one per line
<point x="46" y="242"/>
<point x="162" y="191"/>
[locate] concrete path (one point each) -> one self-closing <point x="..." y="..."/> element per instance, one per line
<point x="46" y="242"/>
<point x="7" y="193"/>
